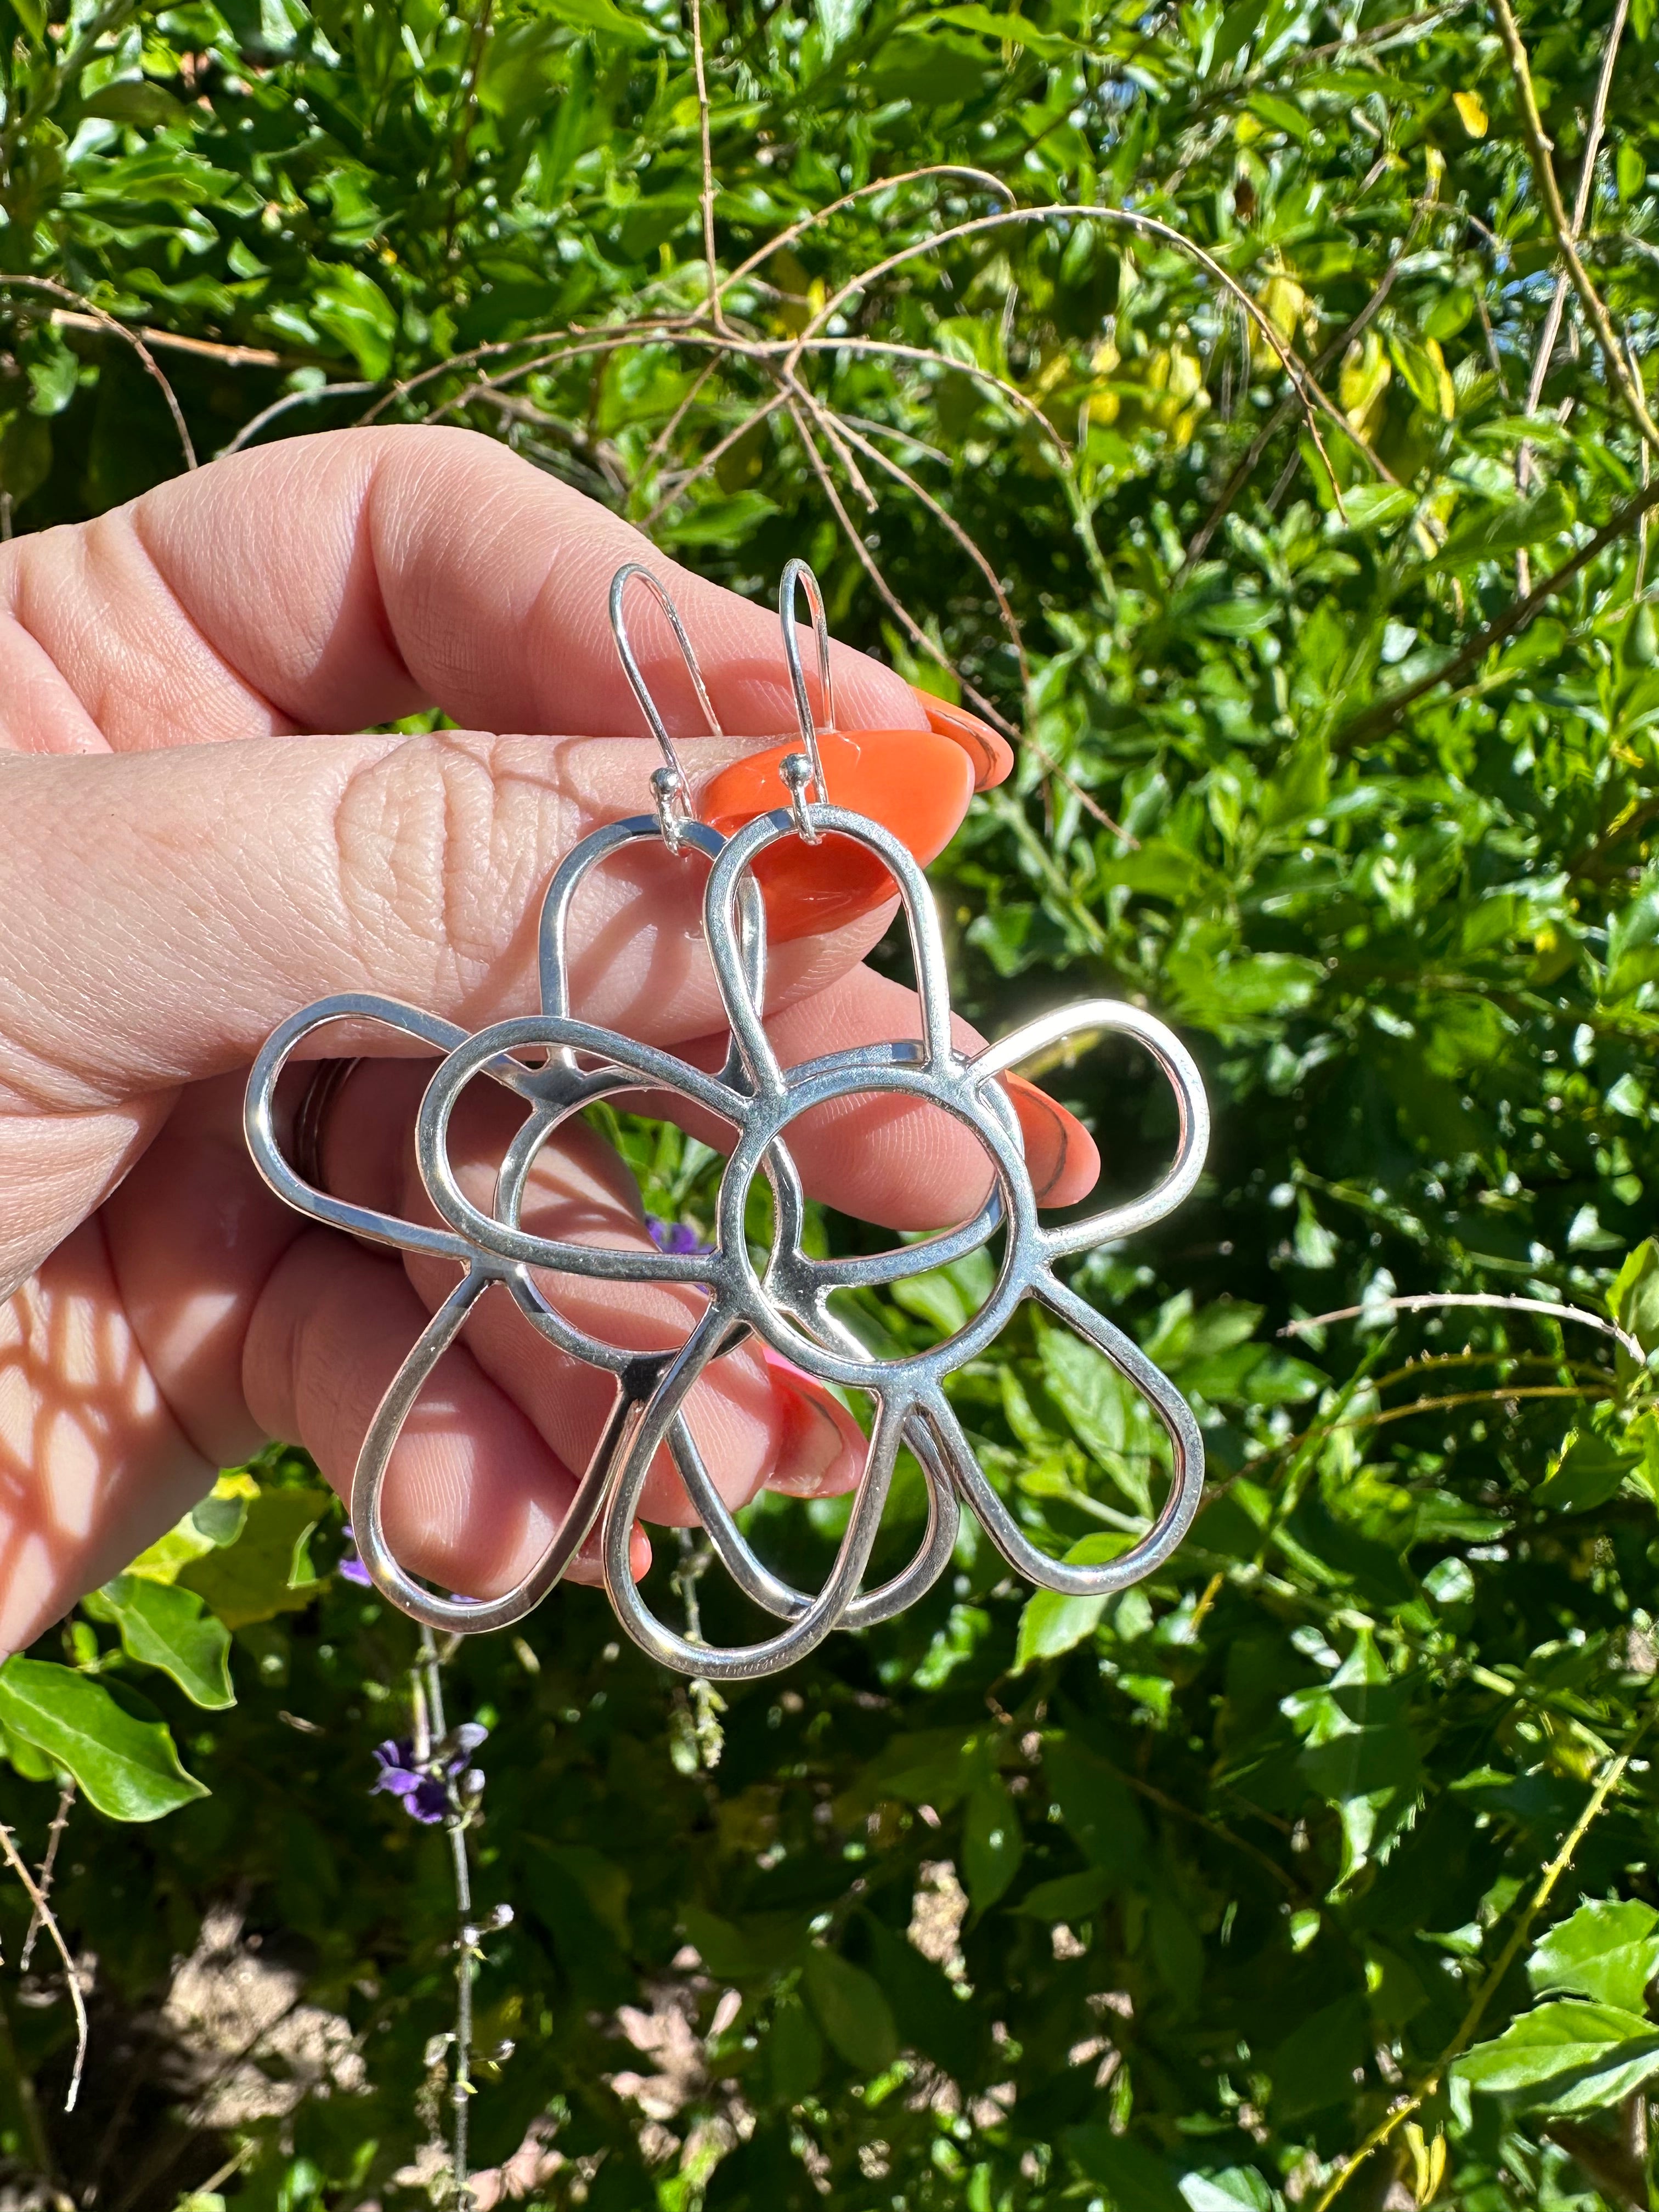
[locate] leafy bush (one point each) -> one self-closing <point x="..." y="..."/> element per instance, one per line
<point x="1293" y="502"/>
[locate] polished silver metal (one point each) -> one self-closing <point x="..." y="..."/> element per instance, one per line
<point x="797" y="577"/>
<point x="669" y="788"/>
<point x="557" y="1065"/>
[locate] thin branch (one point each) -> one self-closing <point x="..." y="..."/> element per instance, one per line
<point x="250" y="430"/>
<point x="108" y="322"/>
<point x="1315" y="400"/>
<point x="664" y="437"/>
<point x="429" y="1687"/>
<point x="1275" y="422"/>
<point x="888" y="349"/>
<point x="1377" y="718"/>
<point x="1580" y="209"/>
<point x="759" y="413"/>
<point x="227" y="356"/>
<point x="1613" y="1774"/>
<point x="1422" y="1300"/>
<point x="706" y="189"/>
<point x="1551" y="332"/>
<point x="854" y="537"/>
<point x="918" y="637"/>
<point x="1549" y="191"/>
<point x="798" y="229"/>
<point x="48" y="1920"/>
<point x="644" y="326"/>
<point x="948" y="522"/>
<point x="54" y="1837"/>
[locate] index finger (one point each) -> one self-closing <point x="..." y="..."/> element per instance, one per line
<point x="337" y="581"/>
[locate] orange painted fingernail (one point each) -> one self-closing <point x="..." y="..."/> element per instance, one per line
<point x="990" y="752"/>
<point x="914" y="782"/>
<point x="822" y="1447"/>
<point x="1063" y="1158"/>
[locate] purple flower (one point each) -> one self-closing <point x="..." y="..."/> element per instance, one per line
<point x="350" y="1567"/>
<point x="424" y="1792"/>
<point x="675" y="1237"/>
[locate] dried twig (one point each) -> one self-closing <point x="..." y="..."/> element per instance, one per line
<point x="762" y="254"/>
<point x="1421" y="1302"/>
<point x="430" y="1717"/>
<point x="1377" y="718"/>
<point x="250" y="430"/>
<point x="716" y="454"/>
<point x="48" y="1864"/>
<point x="1549" y="191"/>
<point x="948" y="522"/>
<point x="1314" y="399"/>
<point x="706" y="189"/>
<point x="103" y="321"/>
<point x="227" y="356"/>
<point x="1550" y="331"/>
<point x="48" y="1920"/>
<point x="1275" y="423"/>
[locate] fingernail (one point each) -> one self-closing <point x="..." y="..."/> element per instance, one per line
<point x="588" y="1565"/>
<point x="1064" y="1160"/>
<point x="992" y="754"/>
<point x="819" y="1447"/>
<point x="914" y="782"/>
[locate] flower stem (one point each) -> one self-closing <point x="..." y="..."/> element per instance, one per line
<point x="430" y="1684"/>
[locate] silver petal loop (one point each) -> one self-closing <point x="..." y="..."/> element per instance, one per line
<point x="557" y="1065"/>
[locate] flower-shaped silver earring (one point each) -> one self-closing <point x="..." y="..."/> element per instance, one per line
<point x="786" y="1301"/>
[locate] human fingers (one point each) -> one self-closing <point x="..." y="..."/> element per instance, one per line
<point x="167" y="909"/>
<point x="754" y="1421"/>
<point x="336" y="581"/>
<point x="882" y="1158"/>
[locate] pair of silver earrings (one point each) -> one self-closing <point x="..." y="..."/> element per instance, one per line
<point x="782" y="1299"/>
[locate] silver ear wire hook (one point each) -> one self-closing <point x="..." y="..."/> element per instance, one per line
<point x="670" y="791"/>
<point x="797" y="772"/>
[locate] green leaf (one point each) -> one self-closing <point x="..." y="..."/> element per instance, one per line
<point x="264" y="1572"/>
<point x="1610" y="1952"/>
<point x="1566" y="2057"/>
<point x="125" y="1767"/>
<point x="855" y="2017"/>
<point x="215" y="1521"/>
<point x="27" y="1758"/>
<point x="1107" y="1415"/>
<point x="171" y="1629"/>
<point x="1314" y="2067"/>
<point x="1591" y="1472"/>
<point x="135" y="101"/>
<point x="1009" y="29"/>
<point x="1050" y="1624"/>
<point x="1497" y="532"/>
<point x="25" y="456"/>
<point x="1135" y="2178"/>
<point x="992" y="1843"/>
<point x="1096" y="1806"/>
<point x="603" y="16"/>
<point x="724" y="522"/>
<point x="1233" y="2188"/>
<point x="796" y="2052"/>
<point x="1068" y="1897"/>
<point x="351" y="307"/>
<point x="929" y="2010"/>
<point x="1633" y="1300"/>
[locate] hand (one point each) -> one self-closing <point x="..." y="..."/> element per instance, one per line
<point x="186" y="860"/>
